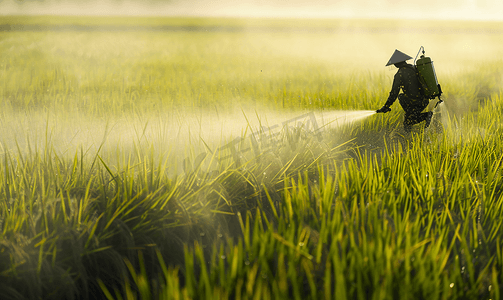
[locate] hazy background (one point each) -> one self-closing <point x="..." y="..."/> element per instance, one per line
<point x="402" y="9"/>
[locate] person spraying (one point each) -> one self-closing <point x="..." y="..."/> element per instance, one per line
<point x="414" y="97"/>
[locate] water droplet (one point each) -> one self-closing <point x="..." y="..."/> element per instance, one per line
<point x="489" y="288"/>
<point x="301" y="244"/>
<point x="202" y="234"/>
<point x="220" y="235"/>
<point x="222" y="257"/>
<point x="247" y="263"/>
<point x="462" y="269"/>
<point x="451" y="285"/>
<point x="264" y="275"/>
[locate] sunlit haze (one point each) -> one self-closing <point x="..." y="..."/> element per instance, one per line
<point x="396" y="9"/>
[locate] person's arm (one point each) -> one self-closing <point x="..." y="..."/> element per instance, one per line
<point x="393" y="94"/>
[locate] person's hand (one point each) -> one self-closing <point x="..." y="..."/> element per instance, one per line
<point x="383" y="109"/>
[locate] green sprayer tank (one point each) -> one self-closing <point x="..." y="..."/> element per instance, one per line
<point x="427" y="77"/>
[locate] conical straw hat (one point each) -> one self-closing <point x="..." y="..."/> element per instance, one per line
<point x="398" y="57"/>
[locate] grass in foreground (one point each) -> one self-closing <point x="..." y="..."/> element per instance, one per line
<point x="360" y="229"/>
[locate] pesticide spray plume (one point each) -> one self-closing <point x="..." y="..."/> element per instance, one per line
<point x="334" y="119"/>
<point x="173" y="135"/>
<point x="170" y="127"/>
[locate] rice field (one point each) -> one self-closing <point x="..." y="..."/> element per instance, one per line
<point x="193" y="158"/>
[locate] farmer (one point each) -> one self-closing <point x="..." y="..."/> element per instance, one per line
<point x="411" y="100"/>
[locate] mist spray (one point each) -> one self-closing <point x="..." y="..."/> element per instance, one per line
<point x="343" y="117"/>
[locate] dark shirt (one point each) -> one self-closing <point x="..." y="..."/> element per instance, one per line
<point x="405" y="79"/>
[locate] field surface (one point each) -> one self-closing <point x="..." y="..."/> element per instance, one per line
<point x="192" y="158"/>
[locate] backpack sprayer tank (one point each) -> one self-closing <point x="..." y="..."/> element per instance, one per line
<point x="427" y="77"/>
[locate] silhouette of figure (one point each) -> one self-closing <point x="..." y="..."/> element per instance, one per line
<point x="412" y="100"/>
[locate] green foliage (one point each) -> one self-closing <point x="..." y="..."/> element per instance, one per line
<point x="363" y="211"/>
